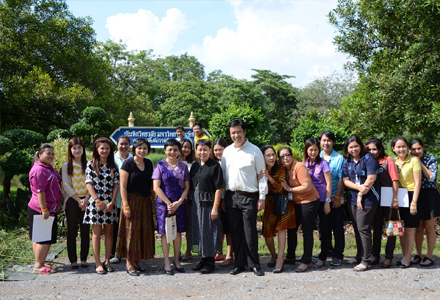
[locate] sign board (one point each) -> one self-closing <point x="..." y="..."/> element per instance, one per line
<point x="157" y="136"/>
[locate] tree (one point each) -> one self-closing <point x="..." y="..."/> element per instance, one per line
<point x="313" y="124"/>
<point x="94" y="123"/>
<point x="279" y="103"/>
<point x="17" y="160"/>
<point x="325" y="93"/>
<point x="253" y="118"/>
<point x="395" y="48"/>
<point x="48" y="70"/>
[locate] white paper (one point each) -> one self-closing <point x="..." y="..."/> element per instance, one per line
<point x="170" y="228"/>
<point x="386" y="197"/>
<point x="42" y="229"/>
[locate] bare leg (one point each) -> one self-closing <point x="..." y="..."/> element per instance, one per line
<point x="410" y="234"/>
<point x="96" y="245"/>
<point x="430" y="237"/>
<point x="282" y="238"/>
<point x="403" y="244"/>
<point x="40" y="252"/>
<point x="177" y="243"/>
<point x="271" y="246"/>
<point x="166" y="252"/>
<point x="108" y="242"/>
<point x="419" y="237"/>
<point x="230" y="254"/>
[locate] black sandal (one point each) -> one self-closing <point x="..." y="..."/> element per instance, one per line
<point x="199" y="266"/>
<point x="416" y="260"/>
<point x="208" y="268"/>
<point x="431" y="262"/>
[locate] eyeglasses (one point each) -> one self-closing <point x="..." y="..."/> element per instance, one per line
<point x="285" y="156"/>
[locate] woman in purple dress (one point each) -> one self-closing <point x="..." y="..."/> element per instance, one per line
<point x="171" y="184"/>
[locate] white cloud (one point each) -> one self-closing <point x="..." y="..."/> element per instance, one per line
<point x="144" y="30"/>
<point x="291" y="37"/>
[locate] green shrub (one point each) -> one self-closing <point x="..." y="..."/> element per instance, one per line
<point x="66" y="134"/>
<point x="24" y="139"/>
<point x="254" y="120"/>
<point x="6" y="145"/>
<point x="297" y="154"/>
<point x="24" y="180"/>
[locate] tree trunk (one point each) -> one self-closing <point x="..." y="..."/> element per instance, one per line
<point x="6" y="189"/>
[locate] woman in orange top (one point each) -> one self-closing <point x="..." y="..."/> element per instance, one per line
<point x="306" y="198"/>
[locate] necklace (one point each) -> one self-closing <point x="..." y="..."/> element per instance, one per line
<point x="173" y="166"/>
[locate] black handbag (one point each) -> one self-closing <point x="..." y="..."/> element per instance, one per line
<point x="280" y="203"/>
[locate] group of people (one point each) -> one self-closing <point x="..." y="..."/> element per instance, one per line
<point x="216" y="190"/>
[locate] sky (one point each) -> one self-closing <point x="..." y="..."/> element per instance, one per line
<point x="288" y="37"/>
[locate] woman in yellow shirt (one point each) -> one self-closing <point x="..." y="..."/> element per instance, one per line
<point x="410" y="178"/>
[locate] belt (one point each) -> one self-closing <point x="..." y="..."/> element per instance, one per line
<point x="243" y="192"/>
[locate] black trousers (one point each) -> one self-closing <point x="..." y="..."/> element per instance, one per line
<point x="305" y="216"/>
<point x="326" y="232"/>
<point x="115" y="231"/>
<point x="75" y="219"/>
<point x="242" y="217"/>
<point x="362" y="219"/>
<point x="337" y="226"/>
<point x="377" y="231"/>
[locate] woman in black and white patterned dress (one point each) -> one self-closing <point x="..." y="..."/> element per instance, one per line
<point x="102" y="181"/>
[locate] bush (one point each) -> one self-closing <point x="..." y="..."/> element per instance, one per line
<point x="297" y="154"/>
<point x="24" y="180"/>
<point x="24" y="139"/>
<point x="66" y="134"/>
<point x="6" y="145"/>
<point x="313" y="124"/>
<point x="254" y="120"/>
<point x="81" y="129"/>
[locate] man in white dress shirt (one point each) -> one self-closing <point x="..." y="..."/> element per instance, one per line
<point x="241" y="163"/>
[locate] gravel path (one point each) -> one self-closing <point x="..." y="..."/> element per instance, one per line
<point x="330" y="283"/>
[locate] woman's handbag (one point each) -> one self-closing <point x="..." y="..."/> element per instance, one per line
<point x="171" y="228"/>
<point x="280" y="204"/>
<point x="394" y="228"/>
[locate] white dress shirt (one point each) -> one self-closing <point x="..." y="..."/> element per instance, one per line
<point x="241" y="167"/>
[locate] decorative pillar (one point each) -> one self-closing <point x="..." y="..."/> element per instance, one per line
<point x="131" y="120"/>
<point x="191" y="119"/>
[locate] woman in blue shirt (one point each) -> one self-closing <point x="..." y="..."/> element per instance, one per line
<point x="359" y="173"/>
<point x="429" y="202"/>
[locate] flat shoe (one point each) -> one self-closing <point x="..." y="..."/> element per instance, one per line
<point x="108" y="269"/>
<point x="276" y="271"/>
<point x="86" y="265"/>
<point x="180" y="270"/>
<point x="236" y="271"/>
<point x="219" y="258"/>
<point x="416" y="260"/>
<point x="168" y="272"/>
<point x="431" y="262"/>
<point x="186" y="258"/>
<point x="319" y="266"/>
<point x="199" y="266"/>
<point x="301" y="270"/>
<point x="402" y="266"/>
<point x="132" y="272"/>
<point x="139" y="269"/>
<point x="44" y="270"/>
<point x="375" y="261"/>
<point x="227" y="262"/>
<point x="101" y="272"/>
<point x="361" y="268"/>
<point x="74" y="267"/>
<point x="271" y="264"/>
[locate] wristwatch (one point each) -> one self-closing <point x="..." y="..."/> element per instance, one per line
<point x="328" y="200"/>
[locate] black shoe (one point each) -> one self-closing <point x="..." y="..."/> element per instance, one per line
<point x="74" y="267"/>
<point x="237" y="271"/>
<point x="276" y="271"/>
<point x="132" y="273"/>
<point x="168" y="272"/>
<point x="139" y="269"/>
<point x="257" y="271"/>
<point x="271" y="264"/>
<point x="108" y="269"/>
<point x="180" y="270"/>
<point x="289" y="261"/>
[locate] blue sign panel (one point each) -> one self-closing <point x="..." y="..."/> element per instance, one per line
<point x="157" y="136"/>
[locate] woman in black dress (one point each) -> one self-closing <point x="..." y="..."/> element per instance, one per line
<point x="206" y="185"/>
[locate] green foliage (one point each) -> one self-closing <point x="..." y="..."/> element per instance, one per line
<point x="253" y="118"/>
<point x="60" y="146"/>
<point x="24" y="180"/>
<point x="81" y="129"/>
<point x="297" y="154"/>
<point x="396" y="53"/>
<point x="24" y="139"/>
<point x="17" y="162"/>
<point x="93" y="123"/>
<point x="58" y="132"/>
<point x="5" y="145"/>
<point x="17" y="205"/>
<point x="313" y="124"/>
